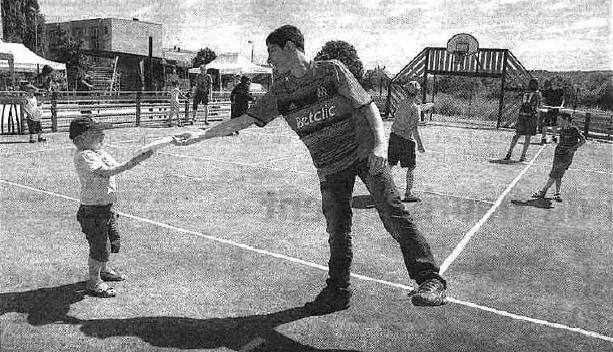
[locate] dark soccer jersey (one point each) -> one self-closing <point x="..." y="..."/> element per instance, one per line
<point x="569" y="139"/>
<point x="553" y="97"/>
<point x="322" y="107"/>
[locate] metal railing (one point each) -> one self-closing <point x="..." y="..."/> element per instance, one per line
<point x="136" y="108"/>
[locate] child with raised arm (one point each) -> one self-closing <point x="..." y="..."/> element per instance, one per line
<point x="570" y="140"/>
<point x="96" y="170"/>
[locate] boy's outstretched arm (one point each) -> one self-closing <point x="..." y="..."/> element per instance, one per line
<point x="223" y="129"/>
<point x="114" y="170"/>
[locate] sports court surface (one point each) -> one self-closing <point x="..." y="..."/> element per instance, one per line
<point x="224" y="241"/>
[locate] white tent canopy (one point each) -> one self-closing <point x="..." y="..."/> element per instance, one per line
<point x="234" y="64"/>
<point x="25" y="60"/>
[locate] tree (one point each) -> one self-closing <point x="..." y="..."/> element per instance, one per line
<point x="345" y="53"/>
<point x="203" y="57"/>
<point x="22" y="22"/>
<point x="67" y="49"/>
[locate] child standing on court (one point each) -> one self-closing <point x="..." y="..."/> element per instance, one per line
<point x="96" y="170"/>
<point x="570" y="140"/>
<point x="528" y="118"/>
<point x="34" y="114"/>
<point x="175" y="94"/>
<point x="404" y="136"/>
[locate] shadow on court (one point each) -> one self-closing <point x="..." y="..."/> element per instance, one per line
<point x="543" y="203"/>
<point x="45" y="305"/>
<point x="505" y="162"/>
<point x="250" y="333"/>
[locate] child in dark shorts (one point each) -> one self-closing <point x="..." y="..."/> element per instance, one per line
<point x="527" y="120"/>
<point x="96" y="170"/>
<point x="570" y="140"/>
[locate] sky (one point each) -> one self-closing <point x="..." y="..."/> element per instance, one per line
<point x="553" y="35"/>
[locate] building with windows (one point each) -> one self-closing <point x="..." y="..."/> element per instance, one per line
<point x="116" y="50"/>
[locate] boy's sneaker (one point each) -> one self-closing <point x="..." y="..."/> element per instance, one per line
<point x="41" y="139"/>
<point x="111" y="275"/>
<point x="411" y="199"/>
<point x="522" y="158"/>
<point x="329" y="300"/>
<point x="558" y="197"/>
<point x="429" y="293"/>
<point x="507" y="157"/>
<point x="554" y="139"/>
<point x="539" y="194"/>
<point x="32" y="141"/>
<point x="543" y="141"/>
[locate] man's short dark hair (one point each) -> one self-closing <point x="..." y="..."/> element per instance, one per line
<point x="284" y="34"/>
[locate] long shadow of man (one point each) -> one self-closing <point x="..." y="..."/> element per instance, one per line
<point x="251" y="333"/>
<point x="45" y="305"/>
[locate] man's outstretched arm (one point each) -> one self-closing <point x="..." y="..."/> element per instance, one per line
<point x="223" y="129"/>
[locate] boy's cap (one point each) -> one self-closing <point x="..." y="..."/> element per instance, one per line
<point x="86" y="123"/>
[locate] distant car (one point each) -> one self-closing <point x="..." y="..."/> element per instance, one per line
<point x="257" y="88"/>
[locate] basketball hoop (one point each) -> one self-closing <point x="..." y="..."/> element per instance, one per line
<point x="462" y="45"/>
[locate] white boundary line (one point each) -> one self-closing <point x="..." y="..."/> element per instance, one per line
<point x="454" y="196"/>
<point x="299" y="261"/>
<point x="460" y="247"/>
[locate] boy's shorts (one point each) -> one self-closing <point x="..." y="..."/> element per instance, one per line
<point x="201" y="97"/>
<point x="526" y="124"/>
<point x="561" y="163"/>
<point x="34" y="127"/>
<point x="99" y="224"/>
<point x="401" y="149"/>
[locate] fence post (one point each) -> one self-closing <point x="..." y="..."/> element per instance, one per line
<point x="54" y="111"/>
<point x="138" y="98"/>
<point x="186" y="110"/>
<point x="586" y="127"/>
<point x="21" y="117"/>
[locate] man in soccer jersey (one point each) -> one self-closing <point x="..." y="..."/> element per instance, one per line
<point x="342" y="128"/>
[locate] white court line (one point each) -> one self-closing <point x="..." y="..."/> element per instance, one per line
<point x="45" y="150"/>
<point x="460" y="247"/>
<point x="299" y="261"/>
<point x="280" y="159"/>
<point x="454" y="196"/>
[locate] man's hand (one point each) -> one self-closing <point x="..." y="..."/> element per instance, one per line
<point x="185" y="139"/>
<point x="377" y="160"/>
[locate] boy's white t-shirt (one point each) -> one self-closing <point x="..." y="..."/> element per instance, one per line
<point x="95" y="189"/>
<point x="32" y="109"/>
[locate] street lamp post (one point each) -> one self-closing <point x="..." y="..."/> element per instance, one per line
<point x="251" y="42"/>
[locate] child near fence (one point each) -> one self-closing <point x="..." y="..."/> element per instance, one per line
<point x="175" y="104"/>
<point x="34" y="114"/>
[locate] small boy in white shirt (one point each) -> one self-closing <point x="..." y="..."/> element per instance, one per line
<point x="175" y="104"/>
<point x="96" y="170"/>
<point x="34" y="114"/>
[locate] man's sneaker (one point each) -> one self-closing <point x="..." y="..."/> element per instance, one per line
<point x="543" y="141"/>
<point x="558" y="197"/>
<point x="329" y="300"/>
<point x="507" y="157"/>
<point x="539" y="194"/>
<point x="522" y="158"/>
<point x="554" y="139"/>
<point x="429" y="293"/>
